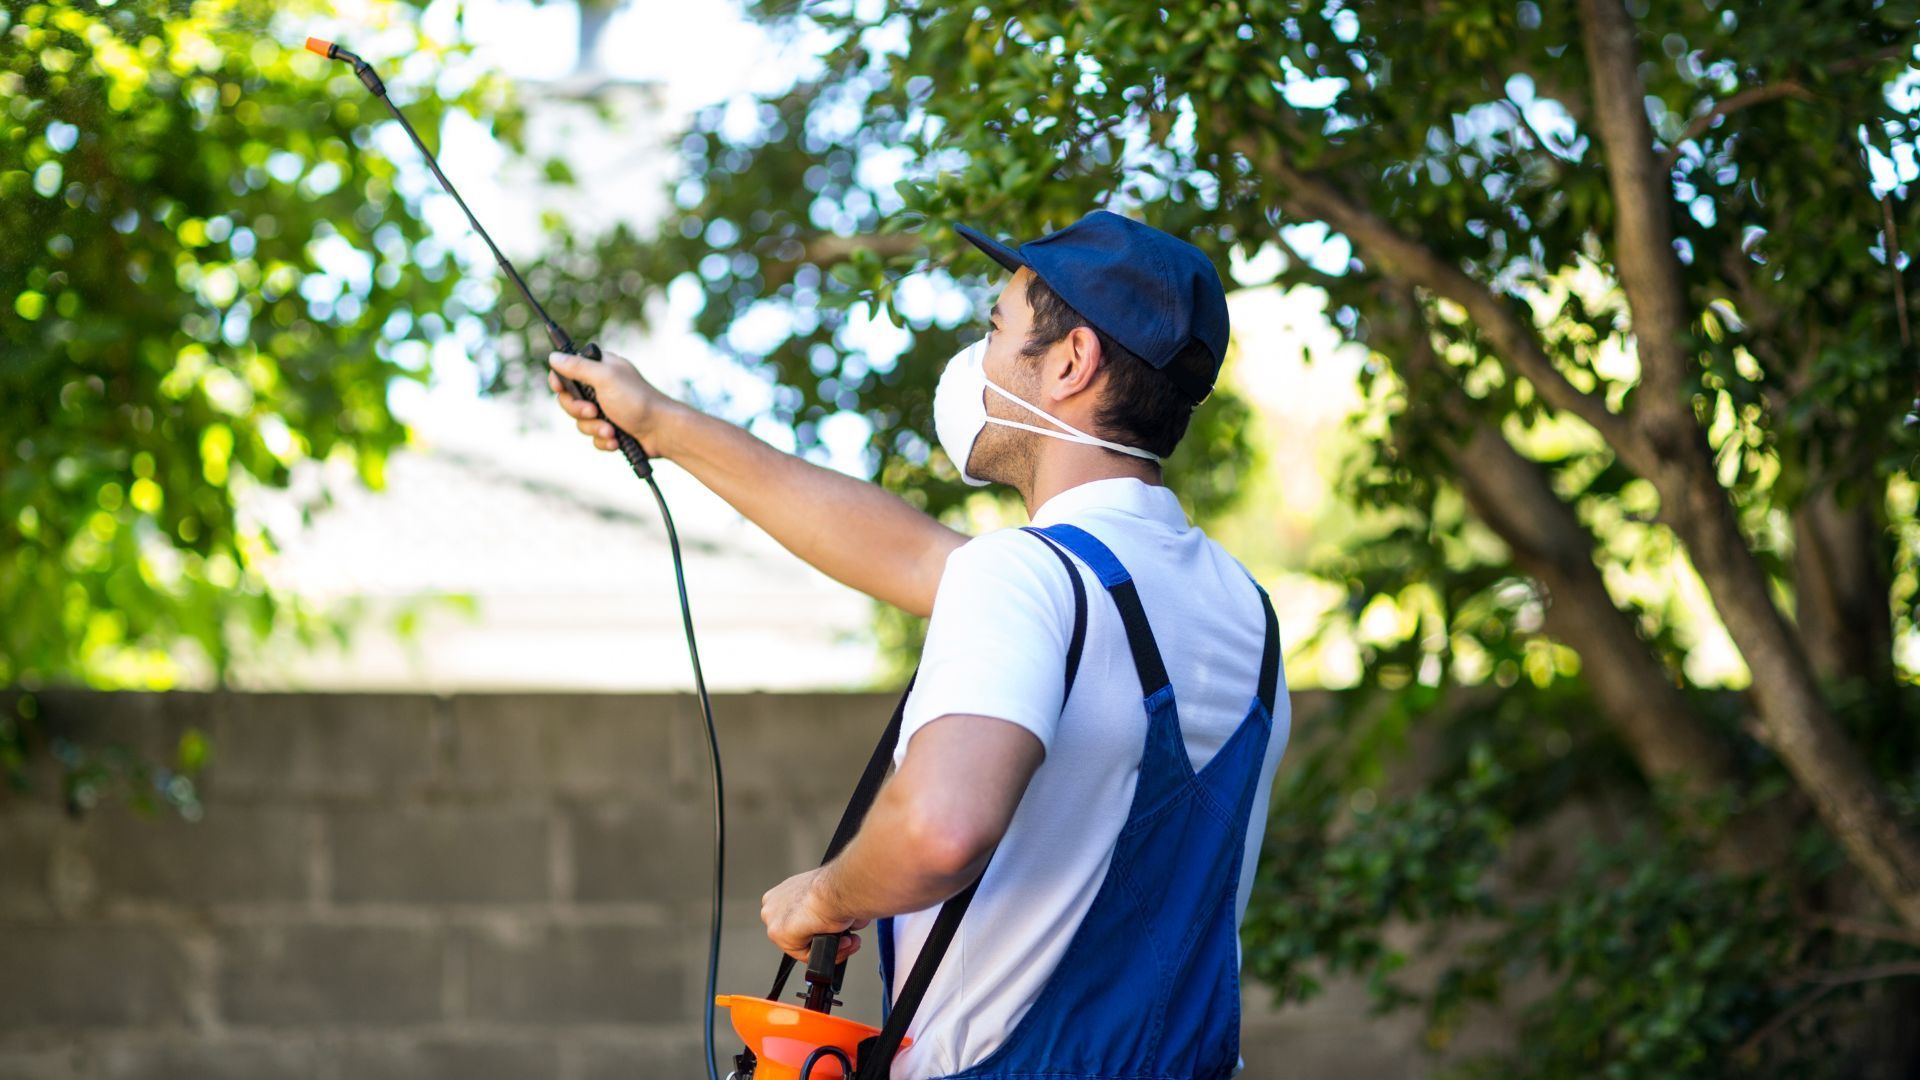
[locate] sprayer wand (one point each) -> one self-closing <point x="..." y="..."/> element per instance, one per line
<point x="629" y="446"/>
<point x="636" y="457"/>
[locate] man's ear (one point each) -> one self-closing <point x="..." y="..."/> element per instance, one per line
<point x="1083" y="361"/>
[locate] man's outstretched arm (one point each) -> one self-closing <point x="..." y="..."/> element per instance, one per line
<point x="857" y="533"/>
<point x="929" y="833"/>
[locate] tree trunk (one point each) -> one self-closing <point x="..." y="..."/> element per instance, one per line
<point x="1840" y="590"/>
<point x="1796" y="721"/>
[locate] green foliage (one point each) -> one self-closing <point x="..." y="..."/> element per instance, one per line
<point x="1516" y="865"/>
<point x="210" y="276"/>
<point x="1657" y="969"/>
<point x="1324" y="892"/>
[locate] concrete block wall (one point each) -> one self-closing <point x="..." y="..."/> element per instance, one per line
<point x="472" y="886"/>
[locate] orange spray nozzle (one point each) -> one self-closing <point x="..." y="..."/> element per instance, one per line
<point x="360" y="67"/>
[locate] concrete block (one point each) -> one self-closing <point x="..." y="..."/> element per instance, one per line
<point x="659" y="849"/>
<point x="412" y="1058"/>
<point x="561" y="974"/>
<point x="653" y="851"/>
<point x="334" y="975"/>
<point x="493" y="742"/>
<point x="321" y="744"/>
<point x="44" y="1060"/>
<point x="661" y="1054"/>
<point x="612" y="744"/>
<point x="92" y="975"/>
<point x="768" y="841"/>
<point x="236" y="853"/>
<point x="438" y="855"/>
<point x="794" y="747"/>
<point x="574" y="743"/>
<point x="146" y="724"/>
<point x="27" y="838"/>
<point x="204" y="1058"/>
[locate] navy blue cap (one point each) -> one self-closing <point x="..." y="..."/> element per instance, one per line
<point x="1148" y="290"/>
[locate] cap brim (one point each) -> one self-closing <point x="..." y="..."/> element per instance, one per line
<point x="999" y="252"/>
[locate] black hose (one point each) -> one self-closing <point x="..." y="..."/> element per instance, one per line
<point x="719" y="807"/>
<point x="637" y="458"/>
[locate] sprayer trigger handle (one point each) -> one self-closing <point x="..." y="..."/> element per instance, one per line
<point x="821" y="980"/>
<point x="630" y="447"/>
<point x="577" y="388"/>
<point x="824" y="951"/>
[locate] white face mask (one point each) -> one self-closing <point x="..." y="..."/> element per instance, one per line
<point x="960" y="412"/>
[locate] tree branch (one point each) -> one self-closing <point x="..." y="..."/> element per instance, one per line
<point x="1757" y="95"/>
<point x="829" y="249"/>
<point x="1539" y="137"/>
<point x="1829" y="981"/>
<point x="1871" y="973"/>
<point x="1845" y="924"/>
<point x="1643" y="253"/>
<point x="1877" y="56"/>
<point x="1399" y="256"/>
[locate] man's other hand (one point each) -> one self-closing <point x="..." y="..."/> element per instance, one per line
<point x="795" y="910"/>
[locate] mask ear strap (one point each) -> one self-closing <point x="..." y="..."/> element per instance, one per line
<point x="1076" y="437"/>
<point x="1094" y="440"/>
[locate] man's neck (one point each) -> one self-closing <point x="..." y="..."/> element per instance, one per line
<point x="1069" y="465"/>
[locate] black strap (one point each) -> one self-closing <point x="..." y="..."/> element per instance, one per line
<point x="1269" y="655"/>
<point x="1079" y="636"/>
<point x="1146" y="654"/>
<point x="876" y="1054"/>
<point x="863" y="795"/>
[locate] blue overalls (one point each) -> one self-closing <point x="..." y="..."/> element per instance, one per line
<point x="1149" y="987"/>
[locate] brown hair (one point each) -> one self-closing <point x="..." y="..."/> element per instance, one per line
<point x="1141" y="406"/>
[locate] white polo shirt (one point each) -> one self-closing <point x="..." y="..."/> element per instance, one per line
<point x="996" y="646"/>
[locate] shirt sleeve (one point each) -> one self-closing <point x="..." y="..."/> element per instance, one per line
<point x="997" y="642"/>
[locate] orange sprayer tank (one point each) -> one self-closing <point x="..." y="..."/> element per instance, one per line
<point x="781" y="1036"/>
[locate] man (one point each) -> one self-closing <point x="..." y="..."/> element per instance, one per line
<point x="1118" y="830"/>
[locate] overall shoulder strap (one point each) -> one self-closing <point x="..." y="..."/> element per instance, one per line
<point x="1119" y="583"/>
<point x="1079" y="636"/>
<point x="1269" y="652"/>
<point x="882" y="1047"/>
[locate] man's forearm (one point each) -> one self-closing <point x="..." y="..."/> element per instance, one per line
<point x="857" y="533"/>
<point x="885" y="870"/>
<point x="930" y="831"/>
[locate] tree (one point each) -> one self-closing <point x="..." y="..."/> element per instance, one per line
<point x="208" y="275"/>
<point x="1636" y="304"/>
<point x="211" y="277"/>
